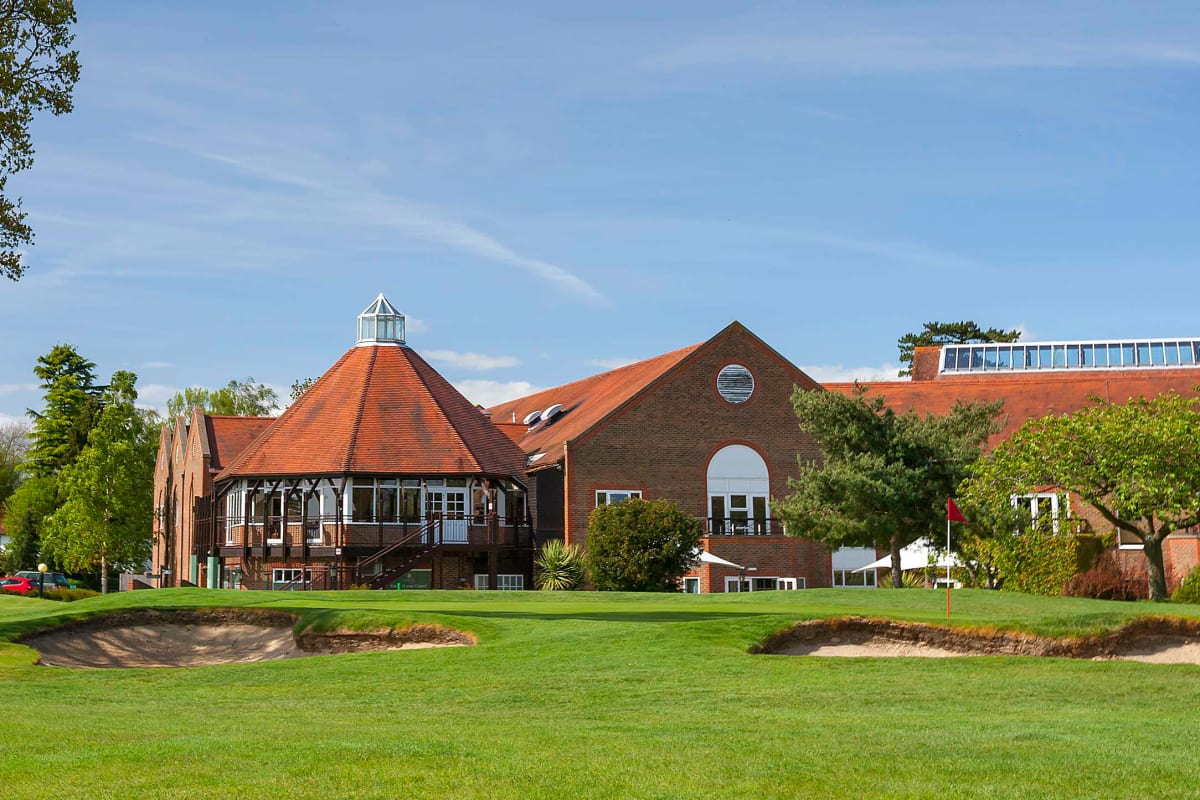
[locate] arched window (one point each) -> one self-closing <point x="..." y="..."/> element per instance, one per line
<point x="738" y="489"/>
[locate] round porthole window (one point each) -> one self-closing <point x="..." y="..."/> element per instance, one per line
<point x="735" y="383"/>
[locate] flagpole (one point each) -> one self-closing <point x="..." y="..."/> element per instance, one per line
<point x="947" y="566"/>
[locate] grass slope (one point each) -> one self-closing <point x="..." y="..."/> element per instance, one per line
<point x="604" y="696"/>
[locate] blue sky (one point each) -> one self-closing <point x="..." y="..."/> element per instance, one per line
<point x="552" y="189"/>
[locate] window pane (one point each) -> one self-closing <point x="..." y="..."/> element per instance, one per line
<point x="386" y="503"/>
<point x="1060" y="355"/>
<point x="1101" y="355"/>
<point x="1116" y="355"/>
<point x="1044" y="357"/>
<point x="989" y="358"/>
<point x="1156" y="354"/>
<point x="1072" y="355"/>
<point x="410" y="504"/>
<point x="964" y="358"/>
<point x="601" y="499"/>
<point x="1004" y="358"/>
<point x="1186" y="353"/>
<point x="363" y="504"/>
<point x="717" y="504"/>
<point x="976" y="357"/>
<point x="1085" y="355"/>
<point x="1143" y="355"/>
<point x="948" y="359"/>
<point x="1172" y="353"/>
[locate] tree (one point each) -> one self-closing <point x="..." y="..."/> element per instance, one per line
<point x="640" y="545"/>
<point x="939" y="333"/>
<point x="300" y="387"/>
<point x="38" y="71"/>
<point x="885" y="476"/>
<point x="72" y="401"/>
<point x="1137" y="464"/>
<point x="237" y="399"/>
<point x="14" y="439"/>
<point x="24" y="517"/>
<point x="105" y="518"/>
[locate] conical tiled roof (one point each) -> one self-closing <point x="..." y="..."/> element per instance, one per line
<point x="380" y="410"/>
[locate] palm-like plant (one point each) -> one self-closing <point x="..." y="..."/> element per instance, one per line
<point x="559" y="566"/>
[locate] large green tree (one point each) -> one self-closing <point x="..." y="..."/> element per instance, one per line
<point x="71" y="402"/>
<point x="38" y="71"/>
<point x="640" y="545"/>
<point x="939" y="333"/>
<point x="25" y="514"/>
<point x="884" y="476"/>
<point x="105" y="518"/>
<point x="238" y="398"/>
<point x="1136" y="463"/>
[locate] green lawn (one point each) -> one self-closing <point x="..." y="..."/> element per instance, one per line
<point x="588" y="695"/>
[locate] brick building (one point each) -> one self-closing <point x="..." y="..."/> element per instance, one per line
<point x="1036" y="379"/>
<point x="380" y="473"/>
<point x="709" y="427"/>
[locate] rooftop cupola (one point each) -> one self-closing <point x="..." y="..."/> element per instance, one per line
<point x="380" y="323"/>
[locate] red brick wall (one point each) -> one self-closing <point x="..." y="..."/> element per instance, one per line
<point x="663" y="443"/>
<point x="772" y="557"/>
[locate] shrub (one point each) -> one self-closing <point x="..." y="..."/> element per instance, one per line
<point x="640" y="546"/>
<point x="1188" y="590"/>
<point x="559" y="566"/>
<point x="69" y="595"/>
<point x="1106" y="581"/>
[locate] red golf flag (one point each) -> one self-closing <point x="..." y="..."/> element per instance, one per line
<point x="952" y="512"/>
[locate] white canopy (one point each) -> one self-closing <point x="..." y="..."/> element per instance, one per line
<point x="705" y="557"/>
<point x="915" y="556"/>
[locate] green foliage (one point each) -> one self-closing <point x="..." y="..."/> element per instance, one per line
<point x="105" y="517"/>
<point x="885" y="476"/>
<point x="300" y="387"/>
<point x="1136" y="463"/>
<point x="559" y="566"/>
<point x="237" y="399"/>
<point x="72" y="403"/>
<point x="640" y="545"/>
<point x="24" y="519"/>
<point x="38" y="71"/>
<point x="69" y="595"/>
<point x="939" y="333"/>
<point x="1188" y="590"/>
<point x="1036" y="560"/>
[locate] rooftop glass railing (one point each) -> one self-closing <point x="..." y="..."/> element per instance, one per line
<point x="1125" y="354"/>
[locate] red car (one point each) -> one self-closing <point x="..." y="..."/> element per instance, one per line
<point x="19" y="586"/>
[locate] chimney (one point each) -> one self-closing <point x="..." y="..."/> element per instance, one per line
<point x="925" y="363"/>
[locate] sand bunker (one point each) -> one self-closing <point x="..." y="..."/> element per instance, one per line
<point x="202" y="638"/>
<point x="1158" y="640"/>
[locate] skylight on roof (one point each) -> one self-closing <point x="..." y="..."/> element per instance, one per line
<point x="959" y="359"/>
<point x="380" y="323"/>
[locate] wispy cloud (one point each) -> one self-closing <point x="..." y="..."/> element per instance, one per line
<point x="488" y="393"/>
<point x="840" y="373"/>
<point x="157" y="365"/>
<point x="8" y="419"/>
<point x="476" y="361"/>
<point x="611" y="363"/>
<point x="13" y="388"/>
<point x="900" y="51"/>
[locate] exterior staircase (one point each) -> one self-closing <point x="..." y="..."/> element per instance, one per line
<point x="425" y="542"/>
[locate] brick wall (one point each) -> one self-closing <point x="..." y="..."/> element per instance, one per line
<point x="662" y="445"/>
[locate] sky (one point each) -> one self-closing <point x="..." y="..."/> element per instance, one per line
<point x="549" y="190"/>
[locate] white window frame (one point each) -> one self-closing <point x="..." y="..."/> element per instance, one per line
<point x="1137" y="545"/>
<point x="1055" y="507"/>
<point x="688" y="582"/>
<point x="607" y="494"/>
<point x="842" y="573"/>
<point x="279" y="579"/>
<point x="504" y="583"/>
<point x="781" y="584"/>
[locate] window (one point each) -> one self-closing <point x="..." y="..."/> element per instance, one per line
<point x="849" y="579"/>
<point x="283" y="578"/>
<point x="735" y="384"/>
<point x="757" y="584"/>
<point x="1127" y="541"/>
<point x="508" y="583"/>
<point x="608" y="497"/>
<point x="1041" y="506"/>
<point x="691" y="586"/>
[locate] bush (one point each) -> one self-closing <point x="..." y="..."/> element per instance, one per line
<point x="641" y="546"/>
<point x="1106" y="581"/>
<point x="1188" y="590"/>
<point x="559" y="566"/>
<point x="70" y="595"/>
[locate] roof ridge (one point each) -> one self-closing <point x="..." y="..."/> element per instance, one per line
<point x="441" y="406"/>
<point x="362" y="404"/>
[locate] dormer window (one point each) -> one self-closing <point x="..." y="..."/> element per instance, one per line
<point x="380" y="323"/>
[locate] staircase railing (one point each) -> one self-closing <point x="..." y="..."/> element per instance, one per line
<point x="416" y="537"/>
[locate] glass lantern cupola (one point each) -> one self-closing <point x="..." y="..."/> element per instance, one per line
<point x="380" y="323"/>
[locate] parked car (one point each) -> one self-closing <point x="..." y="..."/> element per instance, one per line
<point x="54" y="580"/>
<point x="15" y="585"/>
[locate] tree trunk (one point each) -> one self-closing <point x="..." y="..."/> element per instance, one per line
<point x="897" y="574"/>
<point x="1156" y="575"/>
<point x="103" y="574"/>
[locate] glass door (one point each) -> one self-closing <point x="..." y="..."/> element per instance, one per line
<point x="451" y="503"/>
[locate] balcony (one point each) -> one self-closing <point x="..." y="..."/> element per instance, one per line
<point x="741" y="526"/>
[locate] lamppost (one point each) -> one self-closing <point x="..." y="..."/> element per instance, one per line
<point x="42" y="579"/>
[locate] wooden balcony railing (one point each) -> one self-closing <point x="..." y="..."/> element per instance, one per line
<point x="740" y="526"/>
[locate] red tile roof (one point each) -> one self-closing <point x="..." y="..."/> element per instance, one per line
<point x="229" y="436"/>
<point x="1029" y="395"/>
<point x="585" y="403"/>
<point x="380" y="410"/>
